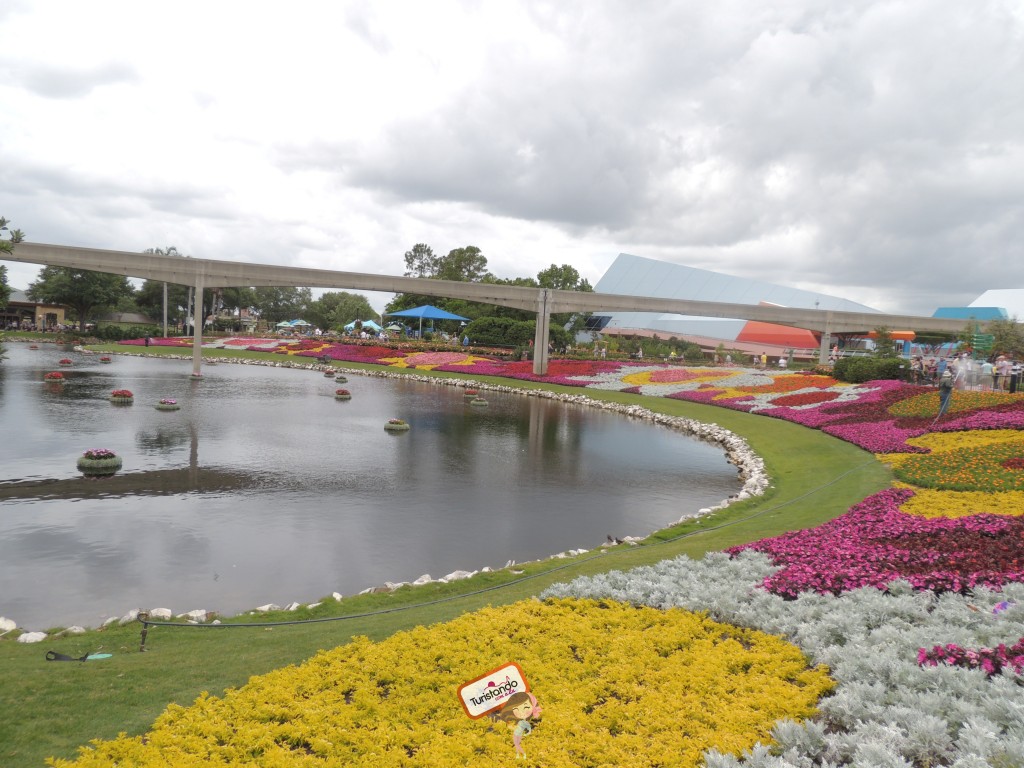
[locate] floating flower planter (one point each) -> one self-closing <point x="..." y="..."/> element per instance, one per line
<point x="396" y="425"/>
<point x="122" y="396"/>
<point x="471" y="393"/>
<point x="33" y="346"/>
<point x="478" y="401"/>
<point x="106" y="359"/>
<point x="342" y="394"/>
<point x="99" y="461"/>
<point x="65" y="361"/>
<point x="341" y="379"/>
<point x="329" y="374"/>
<point x="167" y="404"/>
<point x="196" y="375"/>
<point x="56" y="376"/>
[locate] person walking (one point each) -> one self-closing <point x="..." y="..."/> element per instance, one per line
<point x="987" y="370"/>
<point x="945" y="394"/>
<point x="1003" y="367"/>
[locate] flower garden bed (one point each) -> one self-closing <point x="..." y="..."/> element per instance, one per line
<point x="98" y="461"/>
<point x="617" y="685"/>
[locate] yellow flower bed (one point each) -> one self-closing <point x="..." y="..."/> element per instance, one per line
<point x="926" y="403"/>
<point x="933" y="502"/>
<point x="618" y="686"/>
<point x="929" y="502"/>
<point x="943" y="442"/>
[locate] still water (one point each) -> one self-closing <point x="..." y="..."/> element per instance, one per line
<point x="263" y="488"/>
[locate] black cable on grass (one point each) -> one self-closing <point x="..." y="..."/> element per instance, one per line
<point x="144" y="619"/>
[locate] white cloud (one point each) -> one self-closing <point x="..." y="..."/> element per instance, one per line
<point x="870" y="150"/>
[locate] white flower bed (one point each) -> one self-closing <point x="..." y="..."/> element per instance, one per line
<point x="886" y="710"/>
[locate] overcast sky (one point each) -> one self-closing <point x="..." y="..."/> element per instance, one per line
<point x="871" y="150"/>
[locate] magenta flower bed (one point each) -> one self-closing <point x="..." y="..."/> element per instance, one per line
<point x="352" y="353"/>
<point x="875" y="543"/>
<point x="990" y="660"/>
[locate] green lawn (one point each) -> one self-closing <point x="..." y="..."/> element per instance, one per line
<point x="51" y="708"/>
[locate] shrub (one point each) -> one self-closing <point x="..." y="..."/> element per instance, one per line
<point x="500" y="331"/>
<point x="857" y="370"/>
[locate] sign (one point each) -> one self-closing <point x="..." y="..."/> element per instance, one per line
<point x="491" y="690"/>
<point x="984" y="341"/>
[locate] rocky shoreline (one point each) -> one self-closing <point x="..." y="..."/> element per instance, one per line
<point x="750" y="468"/>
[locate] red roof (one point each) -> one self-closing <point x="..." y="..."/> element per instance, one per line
<point x="756" y="332"/>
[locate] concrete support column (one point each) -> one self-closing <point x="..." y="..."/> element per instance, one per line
<point x="540" y="338"/>
<point x="197" y="324"/>
<point x="826" y="340"/>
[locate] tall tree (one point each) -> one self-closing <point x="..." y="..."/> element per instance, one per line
<point x="237" y="298"/>
<point x="1008" y="337"/>
<point x="14" y="237"/>
<point x="87" y="293"/>
<point x="150" y="300"/>
<point x="420" y="261"/>
<point x="336" y="309"/>
<point x="466" y="265"/>
<point x="884" y="343"/>
<point x="564" y="278"/>
<point x="275" y="304"/>
<point x="5" y="289"/>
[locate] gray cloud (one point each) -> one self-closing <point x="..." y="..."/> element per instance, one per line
<point x="67" y="82"/>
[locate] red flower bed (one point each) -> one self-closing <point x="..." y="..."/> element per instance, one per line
<point x="805" y="398"/>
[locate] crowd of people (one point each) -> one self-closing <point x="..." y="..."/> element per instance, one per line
<point x="997" y="373"/>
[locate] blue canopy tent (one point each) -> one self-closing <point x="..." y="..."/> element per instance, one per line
<point x="367" y="325"/>
<point x="428" y="311"/>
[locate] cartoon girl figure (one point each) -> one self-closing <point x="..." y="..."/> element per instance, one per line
<point x="517" y="712"/>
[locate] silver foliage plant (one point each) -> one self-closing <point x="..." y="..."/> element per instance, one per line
<point x="886" y="710"/>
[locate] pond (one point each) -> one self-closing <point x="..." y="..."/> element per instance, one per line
<point x="263" y="488"/>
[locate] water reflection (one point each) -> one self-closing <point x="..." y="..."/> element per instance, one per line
<point x="264" y="488"/>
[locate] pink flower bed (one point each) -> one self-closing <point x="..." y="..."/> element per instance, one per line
<point x="875" y="543"/>
<point x="990" y="660"/>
